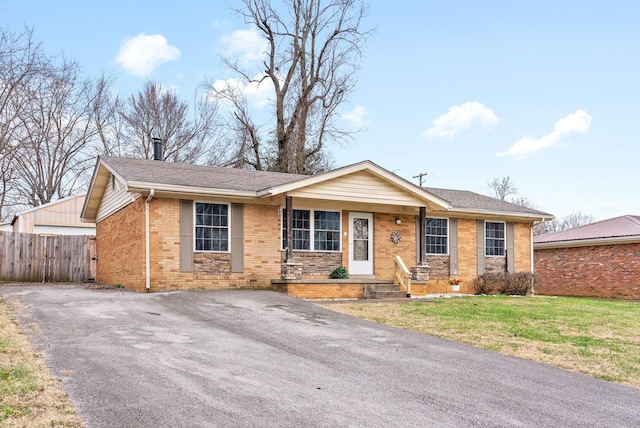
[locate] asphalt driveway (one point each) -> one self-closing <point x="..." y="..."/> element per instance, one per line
<point x="263" y="359"/>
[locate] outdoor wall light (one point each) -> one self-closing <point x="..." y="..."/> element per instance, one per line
<point x="398" y="221"/>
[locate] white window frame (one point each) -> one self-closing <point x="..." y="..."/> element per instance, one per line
<point x="446" y="253"/>
<point x="195" y="227"/>
<point x="311" y="229"/>
<point x="504" y="239"/>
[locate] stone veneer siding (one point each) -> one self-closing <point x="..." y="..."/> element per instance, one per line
<point x="593" y="271"/>
<point x="439" y="266"/>
<point x="316" y="263"/>
<point x="495" y="264"/>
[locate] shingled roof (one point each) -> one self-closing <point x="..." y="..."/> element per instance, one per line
<point x="143" y="176"/>
<point x="463" y="200"/>
<point x="190" y="175"/>
<point x="618" y="229"/>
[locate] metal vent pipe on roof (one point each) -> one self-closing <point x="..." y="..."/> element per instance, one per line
<point x="157" y="149"/>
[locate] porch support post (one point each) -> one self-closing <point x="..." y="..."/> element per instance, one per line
<point x="422" y="234"/>
<point x="289" y="208"/>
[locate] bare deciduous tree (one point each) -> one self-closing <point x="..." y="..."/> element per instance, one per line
<point x="503" y="187"/>
<point x="106" y="110"/>
<point x="55" y="135"/>
<point x="154" y="112"/>
<point x="21" y="60"/>
<point x="575" y="219"/>
<point x="571" y="221"/>
<point x="313" y="50"/>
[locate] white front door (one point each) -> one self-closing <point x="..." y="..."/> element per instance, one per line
<point x="360" y="243"/>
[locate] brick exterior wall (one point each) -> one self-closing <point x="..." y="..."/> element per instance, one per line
<point x="121" y="253"/>
<point x="121" y="250"/>
<point x="120" y="247"/>
<point x="593" y="271"/>
<point x="467" y="260"/>
<point x="385" y="250"/>
<point x="522" y="248"/>
<point x="326" y="290"/>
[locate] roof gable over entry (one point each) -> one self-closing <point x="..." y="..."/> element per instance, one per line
<point x="364" y="182"/>
<point x="362" y="186"/>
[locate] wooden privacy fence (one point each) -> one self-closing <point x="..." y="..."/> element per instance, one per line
<point x="28" y="257"/>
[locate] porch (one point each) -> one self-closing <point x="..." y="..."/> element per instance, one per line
<point x="403" y="283"/>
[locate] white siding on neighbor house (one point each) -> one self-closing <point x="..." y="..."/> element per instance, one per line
<point x="359" y="187"/>
<point x="63" y="230"/>
<point x="115" y="197"/>
<point x="61" y="213"/>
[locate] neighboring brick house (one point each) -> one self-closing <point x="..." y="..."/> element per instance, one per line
<point x="600" y="259"/>
<point x="164" y="226"/>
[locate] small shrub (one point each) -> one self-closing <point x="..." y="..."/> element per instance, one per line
<point x="518" y="283"/>
<point x="488" y="283"/>
<point x="339" y="273"/>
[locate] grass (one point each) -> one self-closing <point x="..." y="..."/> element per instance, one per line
<point x="29" y="395"/>
<point x="591" y="336"/>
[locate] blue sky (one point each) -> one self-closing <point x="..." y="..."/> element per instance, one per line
<point x="546" y="92"/>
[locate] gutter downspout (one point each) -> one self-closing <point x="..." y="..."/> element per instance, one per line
<point x="146" y="244"/>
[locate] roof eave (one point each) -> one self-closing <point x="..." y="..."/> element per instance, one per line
<point x="143" y="187"/>
<point x="633" y="239"/>
<point x="503" y="214"/>
<point x="90" y="191"/>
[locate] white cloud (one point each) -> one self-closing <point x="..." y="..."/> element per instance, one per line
<point x="246" y="45"/>
<point x="257" y="95"/>
<point x="356" y="116"/>
<point x="141" y="54"/>
<point x="577" y="122"/>
<point x="461" y="118"/>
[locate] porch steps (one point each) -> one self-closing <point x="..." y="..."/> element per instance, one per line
<point x="383" y="291"/>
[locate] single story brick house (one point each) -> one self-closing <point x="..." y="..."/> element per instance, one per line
<point x="600" y="259"/>
<point x="163" y="225"/>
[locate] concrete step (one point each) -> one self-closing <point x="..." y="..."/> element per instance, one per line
<point x="383" y="291"/>
<point x="388" y="294"/>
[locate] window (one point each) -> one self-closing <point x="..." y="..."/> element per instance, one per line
<point x="494" y="242"/>
<point x="301" y="229"/>
<point x="323" y="234"/>
<point x="212" y="227"/>
<point x="326" y="235"/>
<point x="437" y="231"/>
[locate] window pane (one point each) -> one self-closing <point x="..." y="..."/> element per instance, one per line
<point x="326" y="235"/>
<point x="436" y="235"/>
<point x="495" y="238"/>
<point x="325" y="230"/>
<point x="212" y="227"/>
<point x="360" y="250"/>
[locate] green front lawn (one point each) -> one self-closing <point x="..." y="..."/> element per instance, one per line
<point x="599" y="337"/>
